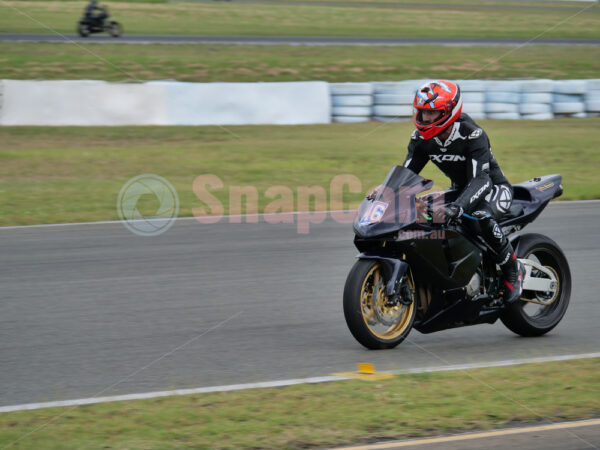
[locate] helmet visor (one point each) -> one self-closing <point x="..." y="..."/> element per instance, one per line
<point x="425" y="117"/>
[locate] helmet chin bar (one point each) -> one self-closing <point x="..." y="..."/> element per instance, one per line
<point x="443" y="118"/>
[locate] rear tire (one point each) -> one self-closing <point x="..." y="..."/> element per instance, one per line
<point x="373" y="322"/>
<point x="530" y="319"/>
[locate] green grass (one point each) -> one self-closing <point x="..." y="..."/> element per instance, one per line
<point x="230" y="18"/>
<point x="73" y="174"/>
<point x="205" y="63"/>
<point x="339" y="413"/>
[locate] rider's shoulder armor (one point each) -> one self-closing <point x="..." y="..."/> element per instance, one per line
<point x="470" y="129"/>
<point x="416" y="135"/>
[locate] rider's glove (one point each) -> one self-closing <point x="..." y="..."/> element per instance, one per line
<point x="452" y="211"/>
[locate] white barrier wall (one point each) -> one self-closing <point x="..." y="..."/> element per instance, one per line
<point x="85" y="102"/>
<point x="82" y="102"/>
<point x="247" y="103"/>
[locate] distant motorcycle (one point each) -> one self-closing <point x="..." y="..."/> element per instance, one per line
<point x="98" y="24"/>
<point x="415" y="273"/>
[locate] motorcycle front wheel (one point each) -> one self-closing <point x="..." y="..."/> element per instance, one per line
<point x="83" y="30"/>
<point x="373" y="319"/>
<point x="115" y="29"/>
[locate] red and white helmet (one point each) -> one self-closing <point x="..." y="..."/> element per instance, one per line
<point x="441" y="96"/>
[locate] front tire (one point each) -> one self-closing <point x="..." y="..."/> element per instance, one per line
<point x="374" y="321"/>
<point x="527" y="318"/>
<point x="115" y="29"/>
<point x="83" y="30"/>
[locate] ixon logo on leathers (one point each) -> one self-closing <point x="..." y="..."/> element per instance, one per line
<point x="481" y="190"/>
<point x="440" y="158"/>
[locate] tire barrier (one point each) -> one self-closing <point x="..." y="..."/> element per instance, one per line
<point x="351" y="88"/>
<point x="473" y="97"/>
<point x="592" y="106"/>
<point x="393" y="100"/>
<point x="363" y="111"/>
<point x="535" y="108"/>
<point x="492" y="108"/>
<point x="504" y="115"/>
<point x="568" y="107"/>
<point x="570" y="87"/>
<point x="391" y="119"/>
<point x="474" y="108"/>
<point x="405" y="98"/>
<point x="471" y="85"/>
<point x="538" y="99"/>
<point x="541" y="116"/>
<point x="351" y="102"/>
<point x="539" y="85"/>
<point x="393" y="110"/>
<point x="503" y="86"/>
<point x="351" y="119"/>
<point x="503" y="97"/>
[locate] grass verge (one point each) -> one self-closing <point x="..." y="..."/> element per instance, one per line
<point x="338" y="413"/>
<point x="204" y="63"/>
<point x="74" y="174"/>
<point x="230" y="18"/>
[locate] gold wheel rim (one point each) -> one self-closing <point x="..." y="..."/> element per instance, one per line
<point x="367" y="307"/>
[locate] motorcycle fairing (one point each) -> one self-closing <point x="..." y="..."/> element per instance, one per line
<point x="393" y="206"/>
<point x="530" y="198"/>
<point x="450" y="262"/>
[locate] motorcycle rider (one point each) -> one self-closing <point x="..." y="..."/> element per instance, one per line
<point x="461" y="150"/>
<point x="90" y="13"/>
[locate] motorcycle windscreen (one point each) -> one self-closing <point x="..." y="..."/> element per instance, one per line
<point x="392" y="205"/>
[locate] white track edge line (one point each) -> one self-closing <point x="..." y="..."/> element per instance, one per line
<point x="242" y="216"/>
<point x="475" y="435"/>
<point x="282" y="383"/>
<point x="149" y="395"/>
<point x="223" y="217"/>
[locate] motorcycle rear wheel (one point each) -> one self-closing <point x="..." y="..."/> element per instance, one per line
<point x="530" y="319"/>
<point x="372" y="320"/>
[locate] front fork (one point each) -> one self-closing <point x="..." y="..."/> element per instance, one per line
<point x="393" y="271"/>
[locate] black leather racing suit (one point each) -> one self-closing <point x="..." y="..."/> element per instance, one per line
<point x="466" y="158"/>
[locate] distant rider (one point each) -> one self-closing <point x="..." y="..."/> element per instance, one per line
<point x="461" y="149"/>
<point x="90" y="12"/>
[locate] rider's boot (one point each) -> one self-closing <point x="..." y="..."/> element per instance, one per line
<point x="513" y="270"/>
<point x="514" y="274"/>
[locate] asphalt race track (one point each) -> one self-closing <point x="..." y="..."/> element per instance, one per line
<point x="83" y="307"/>
<point x="280" y="40"/>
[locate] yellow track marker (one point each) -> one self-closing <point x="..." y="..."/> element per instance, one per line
<point x="366" y="368"/>
<point x="366" y="371"/>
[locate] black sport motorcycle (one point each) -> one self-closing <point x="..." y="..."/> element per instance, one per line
<point x="88" y="25"/>
<point x="414" y="271"/>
